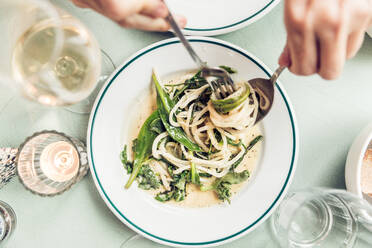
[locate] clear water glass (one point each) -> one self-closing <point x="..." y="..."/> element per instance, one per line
<point x="49" y="163"/>
<point x="8" y="222"/>
<point x="321" y="217"/>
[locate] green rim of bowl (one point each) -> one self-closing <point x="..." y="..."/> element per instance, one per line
<point x="233" y="24"/>
<point x="133" y="225"/>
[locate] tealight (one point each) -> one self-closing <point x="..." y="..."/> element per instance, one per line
<point x="49" y="163"/>
<point x="59" y="161"/>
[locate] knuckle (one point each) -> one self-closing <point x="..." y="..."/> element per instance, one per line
<point x="332" y="22"/>
<point x="124" y="23"/>
<point x="297" y="23"/>
<point x="111" y="10"/>
<point x="332" y="19"/>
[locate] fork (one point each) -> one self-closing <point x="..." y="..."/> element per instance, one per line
<point x="222" y="87"/>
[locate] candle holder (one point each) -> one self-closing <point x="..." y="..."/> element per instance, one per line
<point x="49" y="163"/>
<point x="7" y="165"/>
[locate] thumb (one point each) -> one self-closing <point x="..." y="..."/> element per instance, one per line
<point x="285" y="59"/>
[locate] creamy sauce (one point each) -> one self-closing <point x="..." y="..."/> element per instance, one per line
<point x="194" y="197"/>
<point x="197" y="199"/>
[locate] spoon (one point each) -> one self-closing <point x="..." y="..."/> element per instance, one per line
<point x="264" y="89"/>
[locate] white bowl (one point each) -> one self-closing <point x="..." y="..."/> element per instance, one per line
<point x="222" y="16"/>
<point x="168" y="224"/>
<point x="354" y="162"/>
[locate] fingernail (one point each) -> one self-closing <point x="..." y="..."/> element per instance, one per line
<point x="161" y="11"/>
<point x="182" y="21"/>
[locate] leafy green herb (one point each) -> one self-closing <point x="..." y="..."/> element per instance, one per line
<point x="142" y="147"/>
<point x="180" y="91"/>
<point x="218" y="136"/>
<point x="164" y="196"/>
<point x="254" y="142"/>
<point x="249" y="147"/>
<point x="165" y="105"/>
<point x="231" y="102"/>
<point x="205" y="175"/>
<point x="222" y="186"/>
<point x="195" y="179"/>
<point x="157" y="126"/>
<point x="223" y="191"/>
<point x="228" y="69"/>
<point x="231" y="142"/>
<point x="128" y="166"/>
<point x="147" y="178"/>
<point x="192" y="83"/>
<point x="178" y="188"/>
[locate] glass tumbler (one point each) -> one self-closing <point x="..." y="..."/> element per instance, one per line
<point x="49" y="163"/>
<point x="8" y="222"/>
<point x="321" y="217"/>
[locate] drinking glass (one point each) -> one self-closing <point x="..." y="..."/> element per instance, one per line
<point x="47" y="54"/>
<point x="8" y="222"/>
<point x="140" y="241"/>
<point x="49" y="163"/>
<point x="321" y="217"/>
<point x="85" y="106"/>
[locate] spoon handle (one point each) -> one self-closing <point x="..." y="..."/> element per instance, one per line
<point x="276" y="74"/>
<point x="178" y="32"/>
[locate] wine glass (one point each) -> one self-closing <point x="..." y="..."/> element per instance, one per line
<point x="85" y="106"/>
<point x="48" y="55"/>
<point x="140" y="241"/>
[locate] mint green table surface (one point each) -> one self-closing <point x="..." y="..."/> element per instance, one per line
<point x="329" y="116"/>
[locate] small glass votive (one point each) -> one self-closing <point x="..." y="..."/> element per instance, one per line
<point x="8" y="222"/>
<point x="7" y="165"/>
<point x="49" y="163"/>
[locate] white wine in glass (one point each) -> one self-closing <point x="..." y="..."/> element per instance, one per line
<point x="49" y="55"/>
<point x="56" y="63"/>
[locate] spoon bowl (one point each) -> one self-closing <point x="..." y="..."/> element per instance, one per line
<point x="264" y="89"/>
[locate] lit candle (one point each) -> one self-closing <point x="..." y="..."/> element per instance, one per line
<point x="59" y="161"/>
<point x="366" y="174"/>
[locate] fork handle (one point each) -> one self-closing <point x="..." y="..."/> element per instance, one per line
<point x="178" y="32"/>
<point x="277" y="73"/>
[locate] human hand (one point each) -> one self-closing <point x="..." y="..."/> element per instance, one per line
<point x="322" y="34"/>
<point x="140" y="14"/>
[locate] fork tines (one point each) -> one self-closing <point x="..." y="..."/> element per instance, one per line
<point x="222" y="88"/>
